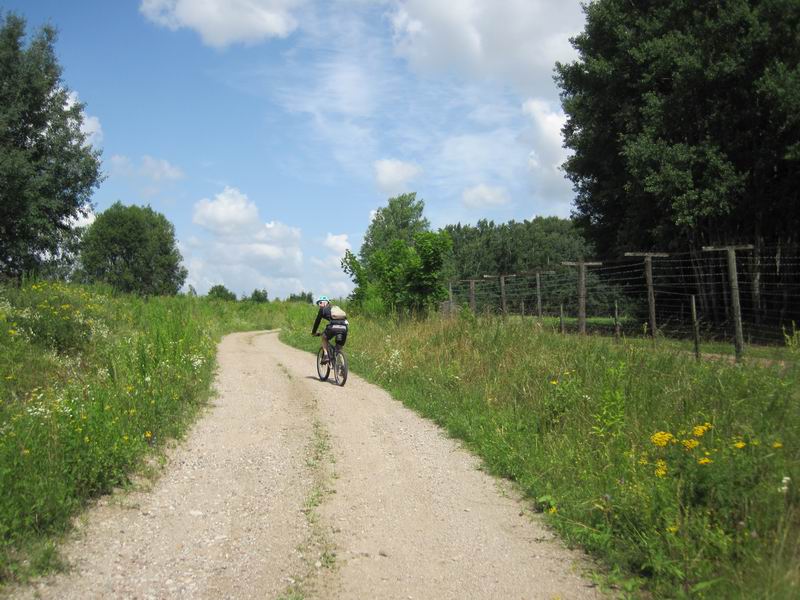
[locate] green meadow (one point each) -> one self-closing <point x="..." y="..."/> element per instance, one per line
<point x="680" y="477"/>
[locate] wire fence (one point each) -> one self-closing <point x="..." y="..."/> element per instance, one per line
<point x="756" y="292"/>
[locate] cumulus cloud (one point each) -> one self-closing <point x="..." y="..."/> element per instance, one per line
<point x="243" y="251"/>
<point x="516" y="40"/>
<point x="483" y="196"/>
<point x="338" y="244"/>
<point x="547" y="154"/>
<point x="229" y="213"/>
<point x="394" y="175"/>
<point x="221" y="23"/>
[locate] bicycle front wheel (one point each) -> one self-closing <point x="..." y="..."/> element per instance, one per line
<point x="340" y="368"/>
<point x="322" y="370"/>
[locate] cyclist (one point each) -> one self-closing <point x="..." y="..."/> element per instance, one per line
<point x="337" y="324"/>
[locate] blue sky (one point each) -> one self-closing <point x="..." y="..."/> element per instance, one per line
<point x="268" y="131"/>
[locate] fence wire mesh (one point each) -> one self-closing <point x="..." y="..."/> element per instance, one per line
<point x="768" y="291"/>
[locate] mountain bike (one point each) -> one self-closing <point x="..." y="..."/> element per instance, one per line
<point x="338" y="359"/>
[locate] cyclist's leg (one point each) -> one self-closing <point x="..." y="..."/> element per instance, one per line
<point x="326" y="345"/>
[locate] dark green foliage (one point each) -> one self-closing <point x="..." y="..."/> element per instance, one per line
<point x="301" y="297"/>
<point x="513" y="247"/>
<point x="683" y="118"/>
<point x="220" y="292"/>
<point x="134" y="250"/>
<point x="47" y="169"/>
<point x="259" y="296"/>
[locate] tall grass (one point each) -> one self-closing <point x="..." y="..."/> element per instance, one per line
<point x="681" y="476"/>
<point x="89" y="383"/>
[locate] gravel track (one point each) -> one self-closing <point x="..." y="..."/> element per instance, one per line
<point x="283" y="473"/>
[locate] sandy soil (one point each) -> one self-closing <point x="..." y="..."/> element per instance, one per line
<point x="292" y="488"/>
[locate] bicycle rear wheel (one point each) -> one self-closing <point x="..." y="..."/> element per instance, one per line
<point x="322" y="370"/>
<point x="340" y="368"/>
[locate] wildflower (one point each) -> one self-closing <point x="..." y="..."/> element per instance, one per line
<point x="661" y="438"/>
<point x="673" y="529"/>
<point x="776" y="444"/>
<point x="124" y="438"/>
<point x="148" y="434"/>
<point x="552" y="510"/>
<point x="700" y="430"/>
<point x="739" y="445"/>
<point x="784" y="485"/>
<point x="661" y="468"/>
<point x="689" y="444"/>
<point x="643" y="460"/>
<point x="704" y="461"/>
<point x="554" y="381"/>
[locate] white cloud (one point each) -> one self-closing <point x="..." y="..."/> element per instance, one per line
<point x="483" y="196"/>
<point x="547" y="154"/>
<point x="221" y="23"/>
<point x="90" y="126"/>
<point x="515" y="40"/>
<point x="243" y="252"/>
<point x="229" y="213"/>
<point x="159" y="169"/>
<point x="338" y="244"/>
<point x="394" y="175"/>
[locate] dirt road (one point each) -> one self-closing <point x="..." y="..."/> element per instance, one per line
<point x="292" y="488"/>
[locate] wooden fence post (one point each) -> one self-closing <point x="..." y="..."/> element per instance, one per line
<point x="734" y="283"/>
<point x="696" y="327"/>
<point x="648" y="274"/>
<point x="582" y="265"/>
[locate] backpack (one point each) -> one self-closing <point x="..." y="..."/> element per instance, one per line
<point x="337" y="314"/>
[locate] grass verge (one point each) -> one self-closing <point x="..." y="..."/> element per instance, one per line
<point x="681" y="476"/>
<point x="91" y="383"/>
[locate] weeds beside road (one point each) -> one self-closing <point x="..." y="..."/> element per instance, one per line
<point x="681" y="476"/>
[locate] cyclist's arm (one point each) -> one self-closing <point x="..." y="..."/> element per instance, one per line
<point x="317" y="322"/>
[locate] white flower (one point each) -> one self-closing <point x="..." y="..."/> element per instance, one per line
<point x="784" y="485"/>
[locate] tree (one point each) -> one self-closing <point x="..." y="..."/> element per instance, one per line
<point x="220" y="292"/>
<point x="134" y="250"/>
<point x="259" y="296"/>
<point x="684" y="119"/>
<point x="401" y="219"/>
<point x="305" y="297"/>
<point x="47" y="169"/>
<point x="400" y="265"/>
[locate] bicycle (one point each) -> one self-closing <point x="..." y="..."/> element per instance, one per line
<point x="338" y="360"/>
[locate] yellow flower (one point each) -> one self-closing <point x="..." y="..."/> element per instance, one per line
<point x="124" y="438"/>
<point x="739" y="445"/>
<point x="704" y="461"/>
<point x="148" y="434"/>
<point x="700" y="430"/>
<point x="661" y="468"/>
<point x="553" y="510"/>
<point x="554" y="381"/>
<point x="12" y="332"/>
<point x="777" y="444"/>
<point x="643" y="460"/>
<point x="673" y="529"/>
<point x="661" y="438"/>
<point x="689" y="444"/>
